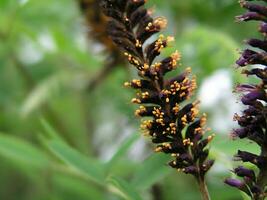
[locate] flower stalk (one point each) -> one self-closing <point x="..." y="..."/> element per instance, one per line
<point x="253" y="120"/>
<point x="169" y="119"/>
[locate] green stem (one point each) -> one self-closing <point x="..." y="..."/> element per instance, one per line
<point x="203" y="188"/>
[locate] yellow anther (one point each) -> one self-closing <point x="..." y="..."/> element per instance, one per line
<point x="167" y="145"/>
<point x="160" y="22"/>
<point x="211" y="137"/>
<point x="138" y="43"/>
<point x="184" y="120"/>
<point x="145" y="67"/>
<point x="145" y="95"/>
<point x="139" y="111"/>
<point x="158" y="149"/>
<point x="135" y="100"/>
<point x="127" y="84"/>
<point x="176" y="108"/>
<point x="137" y="82"/>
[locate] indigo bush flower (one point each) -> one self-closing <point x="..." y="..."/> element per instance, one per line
<point x="253" y="120"/>
<point x="171" y="122"/>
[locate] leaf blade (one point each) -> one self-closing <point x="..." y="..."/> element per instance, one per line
<point x="77" y="161"/>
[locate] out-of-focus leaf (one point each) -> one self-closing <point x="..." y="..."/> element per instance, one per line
<point x="85" y="165"/>
<point x="123" y="149"/>
<point x="205" y="49"/>
<point x="151" y="171"/>
<point x="50" y="88"/>
<point x="50" y="131"/>
<point x="123" y="189"/>
<point x="19" y="150"/>
<point x="70" y="188"/>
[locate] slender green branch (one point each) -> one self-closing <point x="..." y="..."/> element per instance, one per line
<point x="203" y="188"/>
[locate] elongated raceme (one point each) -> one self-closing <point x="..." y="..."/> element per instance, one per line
<point x="171" y="122"/>
<point x="253" y="120"/>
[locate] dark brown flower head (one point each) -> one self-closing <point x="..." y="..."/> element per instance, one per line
<point x="176" y="129"/>
<point x="253" y="120"/>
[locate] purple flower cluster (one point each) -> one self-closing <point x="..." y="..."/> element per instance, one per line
<point x="253" y="121"/>
<point x="174" y="127"/>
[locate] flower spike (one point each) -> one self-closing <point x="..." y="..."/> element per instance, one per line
<point x="175" y="128"/>
<point x="253" y="120"/>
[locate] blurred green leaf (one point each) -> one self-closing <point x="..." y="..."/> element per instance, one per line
<point x="151" y="171"/>
<point x="50" y="131"/>
<point x="123" y="149"/>
<point x="85" y="165"/>
<point x="19" y="150"/>
<point x="70" y="188"/>
<point x="123" y="189"/>
<point x="51" y="87"/>
<point x="205" y="49"/>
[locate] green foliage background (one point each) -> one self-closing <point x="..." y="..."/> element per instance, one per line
<point x="60" y="142"/>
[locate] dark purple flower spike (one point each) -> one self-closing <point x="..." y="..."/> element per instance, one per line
<point x="175" y="128"/>
<point x="253" y="120"/>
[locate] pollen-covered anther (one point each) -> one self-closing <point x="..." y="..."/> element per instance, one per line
<point x="131" y="59"/>
<point x="158" y="149"/>
<point x="156" y="67"/>
<point x="159" y="43"/>
<point x="167" y="145"/>
<point x="149" y="26"/>
<point x="157" y="112"/>
<point x="160" y="121"/>
<point x="137" y="82"/>
<point x="139" y="111"/>
<point x="166" y="92"/>
<point x="203" y="120"/>
<point x="145" y="67"/>
<point x="187" y="142"/>
<point x="127" y="84"/>
<point x="175" y="58"/>
<point x="194" y="112"/>
<point x="173" y="128"/>
<point x="199" y="130"/>
<point x="193" y="83"/>
<point x="138" y="43"/>
<point x="176" y="108"/>
<point x="175" y="87"/>
<point x="160" y="22"/>
<point x="184" y="120"/>
<point x="182" y="94"/>
<point x="210" y="138"/>
<point x="144" y="95"/>
<point x="146" y="126"/>
<point x="135" y="100"/>
<point x="188" y="70"/>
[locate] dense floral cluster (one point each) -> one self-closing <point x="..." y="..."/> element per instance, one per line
<point x="173" y="126"/>
<point x="253" y="121"/>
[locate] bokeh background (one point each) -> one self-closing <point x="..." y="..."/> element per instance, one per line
<point x="64" y="139"/>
